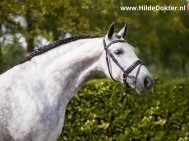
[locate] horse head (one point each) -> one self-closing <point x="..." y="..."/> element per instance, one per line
<point x="122" y="64"/>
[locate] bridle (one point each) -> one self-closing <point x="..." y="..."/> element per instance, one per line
<point x="126" y="78"/>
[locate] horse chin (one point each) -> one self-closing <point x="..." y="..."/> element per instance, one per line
<point x="140" y="90"/>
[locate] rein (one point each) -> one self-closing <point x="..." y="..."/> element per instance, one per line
<point x="126" y="78"/>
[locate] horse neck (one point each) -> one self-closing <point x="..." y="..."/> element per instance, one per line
<point x="68" y="67"/>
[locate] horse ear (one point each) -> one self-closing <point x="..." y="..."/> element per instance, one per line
<point x="123" y="31"/>
<point x="111" y="30"/>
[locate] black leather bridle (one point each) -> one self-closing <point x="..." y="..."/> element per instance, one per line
<point x="126" y="78"/>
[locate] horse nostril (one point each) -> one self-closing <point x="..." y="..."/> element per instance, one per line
<point x="147" y="82"/>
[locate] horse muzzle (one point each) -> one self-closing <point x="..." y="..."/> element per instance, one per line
<point x="144" y="85"/>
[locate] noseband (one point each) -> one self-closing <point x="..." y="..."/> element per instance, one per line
<point x="126" y="78"/>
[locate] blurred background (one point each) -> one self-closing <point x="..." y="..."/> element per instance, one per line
<point x="161" y="38"/>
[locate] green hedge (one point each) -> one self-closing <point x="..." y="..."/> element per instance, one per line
<point x="104" y="110"/>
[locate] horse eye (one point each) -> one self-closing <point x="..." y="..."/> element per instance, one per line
<point x="118" y="51"/>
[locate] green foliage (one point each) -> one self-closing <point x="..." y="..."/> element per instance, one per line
<point x="12" y="55"/>
<point x="105" y="111"/>
<point x="160" y="37"/>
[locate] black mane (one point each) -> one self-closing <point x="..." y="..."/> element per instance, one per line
<point x="55" y="44"/>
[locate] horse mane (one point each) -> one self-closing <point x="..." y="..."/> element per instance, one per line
<point x="57" y="43"/>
